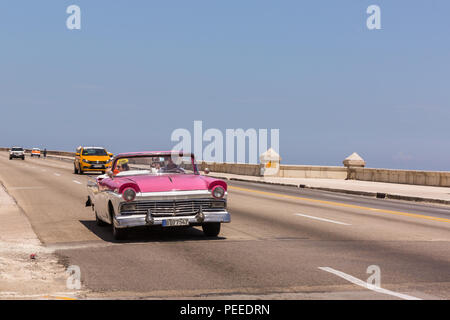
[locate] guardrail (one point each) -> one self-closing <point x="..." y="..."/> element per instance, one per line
<point x="413" y="177"/>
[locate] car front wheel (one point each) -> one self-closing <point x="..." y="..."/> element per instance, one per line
<point x="118" y="234"/>
<point x="75" y="170"/>
<point x="211" y="229"/>
<point x="98" y="221"/>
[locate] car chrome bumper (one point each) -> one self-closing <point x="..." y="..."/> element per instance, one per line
<point x="145" y="220"/>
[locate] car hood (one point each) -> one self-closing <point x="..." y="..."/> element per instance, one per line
<point x="96" y="158"/>
<point x="170" y="182"/>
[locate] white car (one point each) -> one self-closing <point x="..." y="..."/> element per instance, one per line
<point x="17" y="152"/>
<point x="36" y="152"/>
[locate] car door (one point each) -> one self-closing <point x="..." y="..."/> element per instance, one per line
<point x="78" y="158"/>
<point x="102" y="201"/>
<point x="93" y="186"/>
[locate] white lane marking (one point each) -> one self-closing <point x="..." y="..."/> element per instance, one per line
<point x="367" y="285"/>
<point x="76" y="181"/>
<point x="57" y="174"/>
<point x="322" y="219"/>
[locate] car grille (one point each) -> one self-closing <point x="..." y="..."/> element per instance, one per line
<point x="168" y="208"/>
<point x="96" y="162"/>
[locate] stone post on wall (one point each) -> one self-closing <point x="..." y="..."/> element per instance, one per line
<point x="351" y="162"/>
<point x="270" y="163"/>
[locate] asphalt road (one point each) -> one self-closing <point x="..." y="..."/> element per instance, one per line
<point x="282" y="243"/>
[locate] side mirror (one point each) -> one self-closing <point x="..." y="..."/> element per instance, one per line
<point x="110" y="155"/>
<point x="206" y="171"/>
<point x="77" y="154"/>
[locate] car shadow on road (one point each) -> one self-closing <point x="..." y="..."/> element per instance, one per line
<point x="153" y="234"/>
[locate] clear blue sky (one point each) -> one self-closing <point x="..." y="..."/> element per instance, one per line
<point x="137" y="70"/>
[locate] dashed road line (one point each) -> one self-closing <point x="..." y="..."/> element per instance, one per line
<point x="78" y="182"/>
<point x="366" y="285"/>
<point x="322" y="219"/>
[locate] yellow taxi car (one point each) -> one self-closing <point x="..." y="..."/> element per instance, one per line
<point x="92" y="159"/>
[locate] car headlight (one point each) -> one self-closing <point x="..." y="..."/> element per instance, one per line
<point x="218" y="192"/>
<point x="129" y="194"/>
<point x="108" y="161"/>
<point x="85" y="161"/>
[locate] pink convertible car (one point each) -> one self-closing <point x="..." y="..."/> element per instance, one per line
<point x="157" y="189"/>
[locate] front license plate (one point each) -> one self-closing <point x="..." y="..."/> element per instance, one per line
<point x="175" y="222"/>
<point x="97" y="166"/>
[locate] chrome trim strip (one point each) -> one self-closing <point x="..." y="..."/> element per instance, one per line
<point x="173" y="193"/>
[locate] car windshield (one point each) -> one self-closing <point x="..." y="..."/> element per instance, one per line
<point x="17" y="149"/>
<point x="155" y="165"/>
<point x="94" y="152"/>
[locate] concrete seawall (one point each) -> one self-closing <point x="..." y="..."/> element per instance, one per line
<point x="286" y="171"/>
<point x="316" y="172"/>
<point x="233" y="168"/>
<point x="412" y="177"/>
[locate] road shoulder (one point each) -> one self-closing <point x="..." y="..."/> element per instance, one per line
<point x="28" y="270"/>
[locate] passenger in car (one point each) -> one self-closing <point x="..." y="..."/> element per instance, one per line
<point x="170" y="165"/>
<point x="155" y="167"/>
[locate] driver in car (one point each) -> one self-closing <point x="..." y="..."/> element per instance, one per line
<point x="122" y="165"/>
